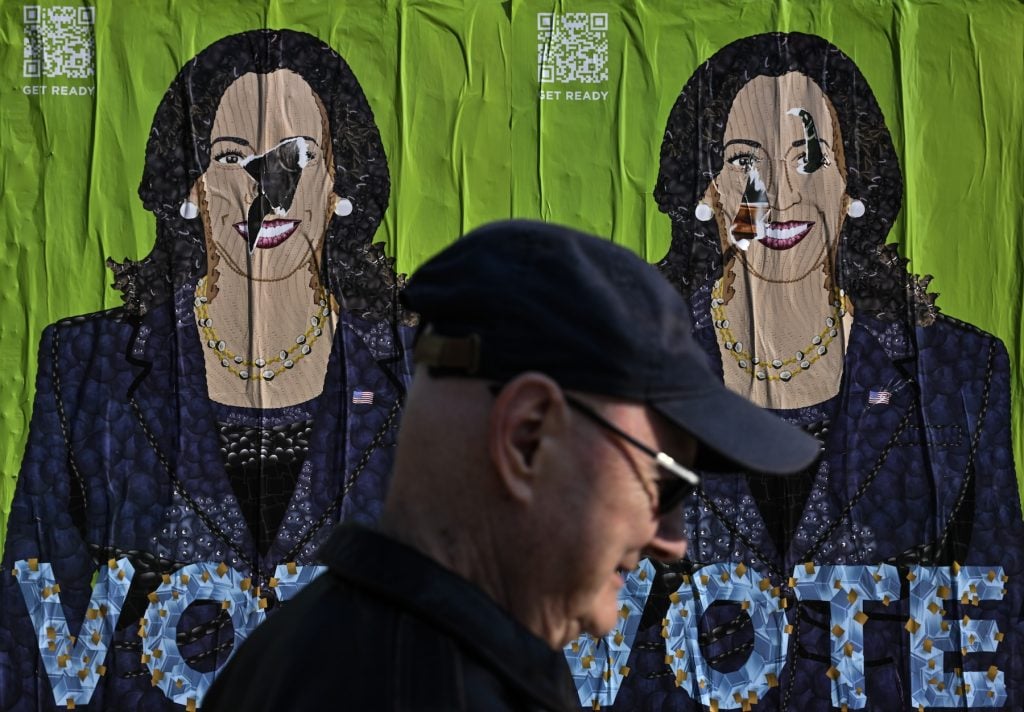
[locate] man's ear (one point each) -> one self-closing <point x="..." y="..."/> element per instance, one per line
<point x="528" y="413"/>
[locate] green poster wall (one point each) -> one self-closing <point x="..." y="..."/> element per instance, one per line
<point x="455" y="92"/>
<point x="479" y="122"/>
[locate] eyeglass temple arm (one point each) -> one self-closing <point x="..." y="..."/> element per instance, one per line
<point x="662" y="458"/>
<point x="675" y="468"/>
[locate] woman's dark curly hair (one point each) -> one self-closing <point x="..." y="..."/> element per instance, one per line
<point x="871" y="272"/>
<point x="354" y="269"/>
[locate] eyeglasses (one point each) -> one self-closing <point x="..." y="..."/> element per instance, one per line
<point x="678" y="480"/>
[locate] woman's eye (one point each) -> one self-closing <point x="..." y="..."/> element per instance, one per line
<point x="229" y="158"/>
<point x="801" y="164"/>
<point x="744" y="161"/>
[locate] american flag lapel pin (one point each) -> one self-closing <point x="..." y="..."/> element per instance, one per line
<point x="362" y="397"/>
<point x="880" y="397"/>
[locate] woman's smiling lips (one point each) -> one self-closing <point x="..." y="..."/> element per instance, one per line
<point x="783" y="235"/>
<point x="272" y="232"/>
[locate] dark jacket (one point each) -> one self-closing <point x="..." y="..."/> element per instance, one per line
<point x="389" y="629"/>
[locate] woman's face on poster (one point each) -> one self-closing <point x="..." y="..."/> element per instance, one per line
<point x="268" y="185"/>
<point x="781" y="193"/>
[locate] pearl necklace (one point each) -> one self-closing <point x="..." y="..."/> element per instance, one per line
<point x="260" y="368"/>
<point x="782" y="369"/>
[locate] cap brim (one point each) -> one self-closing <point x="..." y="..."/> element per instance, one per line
<point x="735" y="434"/>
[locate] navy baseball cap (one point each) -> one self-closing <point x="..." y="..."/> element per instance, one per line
<point x="519" y="295"/>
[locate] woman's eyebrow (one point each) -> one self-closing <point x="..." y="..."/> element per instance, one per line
<point x="243" y="142"/>
<point x="295" y="138"/>
<point x="801" y="141"/>
<point x="744" y="141"/>
<point x="233" y="139"/>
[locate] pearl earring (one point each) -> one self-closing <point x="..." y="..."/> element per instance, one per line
<point x="188" y="210"/>
<point x="703" y="212"/>
<point x="855" y="209"/>
<point x="343" y="207"/>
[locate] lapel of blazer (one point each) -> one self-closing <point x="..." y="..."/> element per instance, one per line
<point x="169" y="400"/>
<point x="878" y="367"/>
<point x="344" y="464"/>
<point x="377" y="369"/>
<point x="957" y="410"/>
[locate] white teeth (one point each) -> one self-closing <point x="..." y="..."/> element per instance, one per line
<point x="786" y="232"/>
<point x="743" y="244"/>
<point x="275" y="230"/>
<point x="270" y="231"/>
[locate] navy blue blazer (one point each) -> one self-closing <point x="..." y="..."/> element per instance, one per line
<point x="123" y="460"/>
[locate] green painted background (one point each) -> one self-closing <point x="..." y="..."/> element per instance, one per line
<point x="454" y="89"/>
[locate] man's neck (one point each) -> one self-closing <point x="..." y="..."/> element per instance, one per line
<point x="472" y="552"/>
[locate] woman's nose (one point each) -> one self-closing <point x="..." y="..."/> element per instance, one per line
<point x="783" y="188"/>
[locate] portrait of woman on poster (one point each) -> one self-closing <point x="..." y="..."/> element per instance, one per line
<point x="782" y="184"/>
<point x="245" y="397"/>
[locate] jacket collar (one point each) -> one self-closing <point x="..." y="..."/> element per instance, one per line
<point x="393" y="571"/>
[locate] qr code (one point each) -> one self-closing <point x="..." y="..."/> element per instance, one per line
<point x="572" y="47"/>
<point x="59" y="41"/>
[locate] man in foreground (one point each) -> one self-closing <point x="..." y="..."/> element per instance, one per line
<point x="558" y="406"/>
